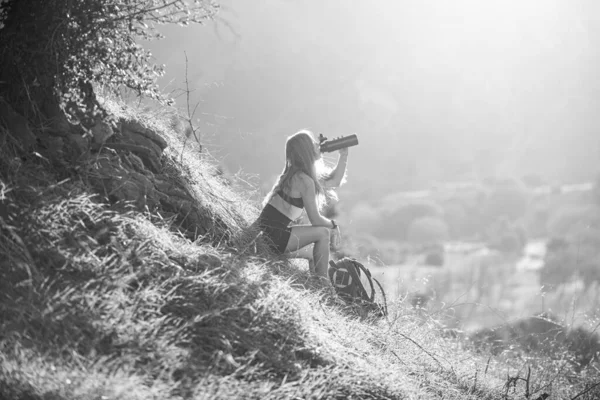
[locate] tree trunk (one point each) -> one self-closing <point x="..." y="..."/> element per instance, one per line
<point x="29" y="42"/>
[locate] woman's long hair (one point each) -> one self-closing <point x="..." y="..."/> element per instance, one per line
<point x="300" y="155"/>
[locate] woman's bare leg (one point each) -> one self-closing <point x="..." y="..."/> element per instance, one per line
<point x="303" y="235"/>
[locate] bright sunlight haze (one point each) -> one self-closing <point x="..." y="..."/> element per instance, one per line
<point x="435" y="90"/>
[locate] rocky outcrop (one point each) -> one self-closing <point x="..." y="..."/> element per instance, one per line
<point x="127" y="164"/>
<point x="133" y="137"/>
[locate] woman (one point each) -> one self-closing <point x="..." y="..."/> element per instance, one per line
<point x="302" y="185"/>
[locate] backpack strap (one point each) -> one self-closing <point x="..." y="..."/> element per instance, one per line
<point x="384" y="307"/>
<point x="354" y="272"/>
<point x="369" y="277"/>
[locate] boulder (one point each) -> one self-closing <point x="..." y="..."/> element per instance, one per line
<point x="135" y="130"/>
<point x="118" y="181"/>
<point x="125" y="163"/>
<point x="133" y="137"/>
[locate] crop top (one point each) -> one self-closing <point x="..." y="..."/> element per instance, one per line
<point x="295" y="201"/>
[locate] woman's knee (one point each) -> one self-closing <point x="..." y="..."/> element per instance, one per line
<point x="323" y="233"/>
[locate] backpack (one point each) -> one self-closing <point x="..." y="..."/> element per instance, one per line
<point x="345" y="276"/>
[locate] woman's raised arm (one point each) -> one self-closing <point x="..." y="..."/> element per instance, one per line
<point x="337" y="176"/>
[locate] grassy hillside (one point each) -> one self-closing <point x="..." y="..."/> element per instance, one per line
<point x="104" y="298"/>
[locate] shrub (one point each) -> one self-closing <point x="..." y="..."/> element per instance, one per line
<point x="573" y="219"/>
<point x="536" y="220"/>
<point x="566" y="259"/>
<point x="558" y="267"/>
<point x="574" y="250"/>
<point x="396" y="223"/>
<point x="457" y="218"/>
<point x="533" y="180"/>
<point x="365" y="218"/>
<point x="507" y="199"/>
<point x="435" y="258"/>
<point x="506" y="236"/>
<point x="427" y="230"/>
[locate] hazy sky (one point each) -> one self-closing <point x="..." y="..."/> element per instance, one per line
<point x="510" y="83"/>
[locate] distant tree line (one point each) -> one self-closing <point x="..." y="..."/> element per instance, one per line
<point x="489" y="213"/>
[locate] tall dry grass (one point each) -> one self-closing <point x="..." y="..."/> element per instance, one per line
<point x="98" y="301"/>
